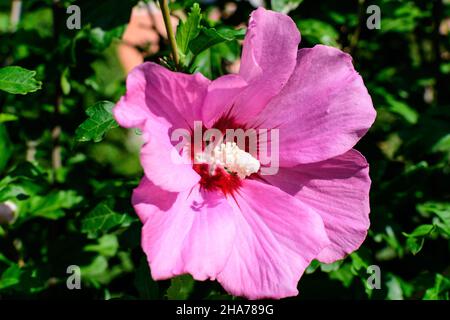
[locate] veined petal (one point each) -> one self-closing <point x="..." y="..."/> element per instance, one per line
<point x="188" y="232"/>
<point x="156" y="94"/>
<point x="338" y="190"/>
<point x="163" y="164"/>
<point x="323" y="110"/>
<point x="276" y="239"/>
<point x="268" y="60"/>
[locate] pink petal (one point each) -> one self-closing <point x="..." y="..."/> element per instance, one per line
<point x="338" y="190"/>
<point x="156" y="94"/>
<point x="222" y="94"/>
<point x="162" y="163"/>
<point x="276" y="239"/>
<point x="323" y="110"/>
<point x="268" y="60"/>
<point x="190" y="232"/>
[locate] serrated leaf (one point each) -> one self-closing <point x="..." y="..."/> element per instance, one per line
<point x="99" y="122"/>
<point x="102" y="218"/>
<point x="180" y="287"/>
<point x="17" y="80"/>
<point x="209" y="37"/>
<point x="188" y="30"/>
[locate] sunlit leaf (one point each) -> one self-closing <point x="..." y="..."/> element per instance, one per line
<point x="18" y="80"/>
<point x="99" y="122"/>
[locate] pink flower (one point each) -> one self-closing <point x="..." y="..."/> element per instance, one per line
<point x="254" y="234"/>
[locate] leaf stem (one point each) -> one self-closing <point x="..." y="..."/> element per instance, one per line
<point x="164" y="4"/>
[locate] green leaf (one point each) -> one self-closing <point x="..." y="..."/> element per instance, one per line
<point x="18" y="80"/>
<point x="440" y="290"/>
<point x="285" y="6"/>
<point x="402" y="109"/>
<point x="10" y="277"/>
<point x="180" y="287"/>
<point x="442" y="145"/>
<point x="52" y="205"/>
<point x="188" y="30"/>
<point x="102" y="219"/>
<point x="344" y="274"/>
<point x="318" y="32"/>
<point x="328" y="267"/>
<point x="421" y="231"/>
<point x="5" y="259"/>
<point x="99" y="122"/>
<point x="313" y="266"/>
<point x="210" y="62"/>
<point x="107" y="246"/>
<point x="441" y="210"/>
<point x="397" y="288"/>
<point x="148" y="289"/>
<point x="415" y="244"/>
<point x="95" y="271"/>
<point x="209" y="37"/>
<point x="102" y="39"/>
<point x="6" y="117"/>
<point x="65" y="83"/>
<point x="5" y="147"/>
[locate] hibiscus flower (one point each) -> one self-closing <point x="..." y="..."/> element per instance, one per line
<point x="255" y="234"/>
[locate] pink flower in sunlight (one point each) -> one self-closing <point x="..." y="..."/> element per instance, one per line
<point x="223" y="220"/>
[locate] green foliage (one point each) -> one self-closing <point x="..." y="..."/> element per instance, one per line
<point x="203" y="48"/>
<point x="209" y="37"/>
<point x="285" y="6"/>
<point x="18" y="80"/>
<point x="99" y="122"/>
<point x="188" y="30"/>
<point x="180" y="287"/>
<point x="102" y="219"/>
<point x="318" y="32"/>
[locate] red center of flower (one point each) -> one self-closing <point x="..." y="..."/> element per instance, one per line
<point x="218" y="180"/>
<point x="213" y="179"/>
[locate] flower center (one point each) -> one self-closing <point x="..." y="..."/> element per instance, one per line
<point x="224" y="166"/>
<point x="230" y="157"/>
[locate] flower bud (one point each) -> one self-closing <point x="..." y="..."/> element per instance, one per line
<point x="8" y="211"/>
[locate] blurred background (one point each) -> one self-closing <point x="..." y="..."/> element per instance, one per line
<point x="67" y="170"/>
